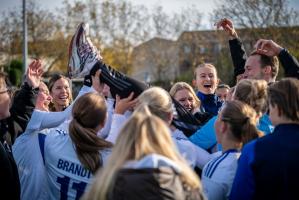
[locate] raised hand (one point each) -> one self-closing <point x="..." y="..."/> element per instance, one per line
<point x="267" y="47"/>
<point x="227" y="26"/>
<point x="106" y="91"/>
<point x="34" y="73"/>
<point x="96" y="84"/>
<point x="122" y="105"/>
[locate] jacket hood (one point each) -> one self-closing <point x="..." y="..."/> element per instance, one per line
<point x="153" y="161"/>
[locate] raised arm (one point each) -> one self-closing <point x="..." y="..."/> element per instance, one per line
<point x="288" y="62"/>
<point x="24" y="101"/>
<point x="41" y="120"/>
<point x="118" y="118"/>
<point x="236" y="46"/>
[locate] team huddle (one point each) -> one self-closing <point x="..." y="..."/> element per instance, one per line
<point x="119" y="138"/>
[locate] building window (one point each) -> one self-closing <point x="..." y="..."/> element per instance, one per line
<point x="187" y="49"/>
<point x="202" y="49"/>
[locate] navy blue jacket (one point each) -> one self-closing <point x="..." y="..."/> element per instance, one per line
<point x="269" y="167"/>
<point x="210" y="103"/>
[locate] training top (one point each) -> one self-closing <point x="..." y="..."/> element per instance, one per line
<point x="67" y="177"/>
<point x="218" y="175"/>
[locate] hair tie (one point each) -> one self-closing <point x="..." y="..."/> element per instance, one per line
<point x="77" y="119"/>
<point x="246" y="120"/>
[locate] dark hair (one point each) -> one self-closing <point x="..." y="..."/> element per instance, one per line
<point x="271" y="61"/>
<point x="223" y="86"/>
<point x="52" y="81"/>
<point x="285" y="95"/>
<point x="242" y="120"/>
<point x="54" y="78"/>
<point x="89" y="112"/>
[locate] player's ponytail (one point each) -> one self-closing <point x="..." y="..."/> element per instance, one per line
<point x="242" y="120"/>
<point x="89" y="114"/>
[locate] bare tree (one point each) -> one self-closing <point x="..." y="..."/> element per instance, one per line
<point x="257" y="13"/>
<point x="172" y="25"/>
<point x="71" y="14"/>
<point x="255" y="19"/>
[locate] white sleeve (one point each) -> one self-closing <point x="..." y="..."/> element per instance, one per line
<point x="214" y="190"/>
<point x="117" y="123"/>
<point x="103" y="133"/>
<point x="202" y="156"/>
<point x="41" y="120"/>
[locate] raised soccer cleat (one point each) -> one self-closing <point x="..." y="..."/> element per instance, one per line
<point x="83" y="55"/>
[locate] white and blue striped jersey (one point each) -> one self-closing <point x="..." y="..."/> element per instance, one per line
<point x="67" y="177"/>
<point x="194" y="155"/>
<point x="32" y="170"/>
<point x="218" y="175"/>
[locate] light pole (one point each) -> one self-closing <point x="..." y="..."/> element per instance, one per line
<point x="25" y="48"/>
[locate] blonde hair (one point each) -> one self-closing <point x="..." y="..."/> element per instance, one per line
<point x="2" y="81"/>
<point x="254" y="93"/>
<point x="142" y="135"/>
<point x="205" y="65"/>
<point x="181" y="86"/>
<point x="242" y="119"/>
<point x="89" y="112"/>
<point x="158" y="101"/>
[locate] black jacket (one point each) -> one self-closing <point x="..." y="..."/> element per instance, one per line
<point x="151" y="183"/>
<point x="22" y="107"/>
<point x="238" y="54"/>
<point x="9" y="177"/>
<point x="21" y="110"/>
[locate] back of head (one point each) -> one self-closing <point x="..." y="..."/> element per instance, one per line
<point x="242" y="119"/>
<point x="143" y="134"/>
<point x="285" y="95"/>
<point x="158" y="101"/>
<point x="254" y="93"/>
<point x="89" y="114"/>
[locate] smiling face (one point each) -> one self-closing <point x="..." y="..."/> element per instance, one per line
<point x="43" y="98"/>
<point x="222" y="93"/>
<point x="185" y="98"/>
<point x="206" y="79"/>
<point x="4" y="99"/>
<point x="60" y="93"/>
<point x="253" y="68"/>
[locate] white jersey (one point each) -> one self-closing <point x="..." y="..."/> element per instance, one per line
<point x="194" y="155"/>
<point x="103" y="133"/>
<point x="30" y="165"/>
<point x="27" y="154"/>
<point x="67" y="177"/>
<point x="218" y="175"/>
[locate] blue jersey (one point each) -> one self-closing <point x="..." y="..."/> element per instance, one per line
<point x="205" y="137"/>
<point x="268" y="166"/>
<point x="67" y="177"/>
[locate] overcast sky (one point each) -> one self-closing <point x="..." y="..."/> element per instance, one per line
<point x="204" y="6"/>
